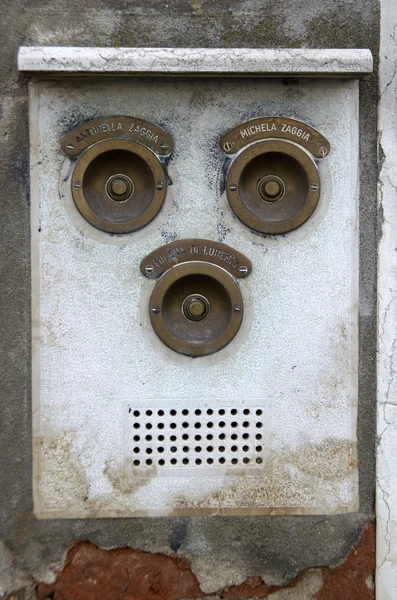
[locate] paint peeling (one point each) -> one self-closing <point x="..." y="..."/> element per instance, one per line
<point x="93" y="573"/>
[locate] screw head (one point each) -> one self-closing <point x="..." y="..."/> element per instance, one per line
<point x="155" y="310"/>
<point x="164" y="146"/>
<point x="149" y="269"/>
<point x="69" y="147"/>
<point x="160" y="185"/>
<point x="323" y="151"/>
<point x="233" y="187"/>
<point x="314" y="187"/>
<point x="237" y="309"/>
<point x="243" y="270"/>
<point x="77" y="185"/>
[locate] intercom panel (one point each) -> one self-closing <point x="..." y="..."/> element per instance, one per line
<point x="195" y="296"/>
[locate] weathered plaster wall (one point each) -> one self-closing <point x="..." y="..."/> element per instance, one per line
<point x="386" y="497"/>
<point x="222" y="551"/>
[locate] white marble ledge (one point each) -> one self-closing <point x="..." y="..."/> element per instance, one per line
<point x="65" y="60"/>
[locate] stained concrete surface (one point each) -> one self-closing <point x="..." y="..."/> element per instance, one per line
<point x="224" y="550"/>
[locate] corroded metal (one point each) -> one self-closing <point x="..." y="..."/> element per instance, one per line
<point x="161" y="259"/>
<point x="273" y="186"/>
<point x="275" y="127"/>
<point x="118" y="185"/>
<point x="129" y="128"/>
<point x="196" y="308"/>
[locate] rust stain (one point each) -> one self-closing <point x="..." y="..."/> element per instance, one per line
<point x="292" y="484"/>
<point x="92" y="573"/>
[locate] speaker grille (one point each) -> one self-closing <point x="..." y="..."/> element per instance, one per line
<point x="179" y="438"/>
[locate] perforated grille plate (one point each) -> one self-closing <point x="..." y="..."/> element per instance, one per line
<point x="180" y="438"/>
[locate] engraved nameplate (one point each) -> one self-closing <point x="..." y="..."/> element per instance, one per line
<point x="104" y="128"/>
<point x="167" y="256"/>
<point x="275" y="127"/>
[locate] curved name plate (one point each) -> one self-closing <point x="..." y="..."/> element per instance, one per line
<point x="165" y="257"/>
<point x="129" y="128"/>
<point x="275" y="127"/>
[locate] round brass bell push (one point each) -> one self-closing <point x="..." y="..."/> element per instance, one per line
<point x="273" y="186"/>
<point x="118" y="182"/>
<point x="196" y="308"/>
<point x="118" y="185"/>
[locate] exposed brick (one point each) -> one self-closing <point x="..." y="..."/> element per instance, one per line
<point x="92" y="573"/>
<point x="348" y="581"/>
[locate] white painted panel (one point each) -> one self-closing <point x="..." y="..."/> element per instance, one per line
<point x="94" y="349"/>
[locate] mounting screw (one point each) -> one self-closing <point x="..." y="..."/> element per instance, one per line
<point x="69" y="147"/>
<point x="149" y="269"/>
<point x="237" y="309"/>
<point x="233" y="187"/>
<point x="314" y="187"/>
<point x="243" y="270"/>
<point x="164" y="146"/>
<point x="159" y="185"/>
<point x="323" y="151"/>
<point x="155" y="310"/>
<point x="77" y="186"/>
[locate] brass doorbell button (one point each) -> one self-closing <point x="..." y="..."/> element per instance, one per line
<point x="118" y="183"/>
<point x="273" y="184"/>
<point x="196" y="307"/>
<point x="271" y="188"/>
<point x="119" y="187"/>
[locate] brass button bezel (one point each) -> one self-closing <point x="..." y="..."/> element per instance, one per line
<point x="158" y="192"/>
<point x="233" y="188"/>
<point x="176" y="274"/>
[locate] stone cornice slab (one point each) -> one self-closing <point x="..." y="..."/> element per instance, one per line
<point x="230" y="62"/>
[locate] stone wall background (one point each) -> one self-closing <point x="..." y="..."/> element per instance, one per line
<point x="221" y="551"/>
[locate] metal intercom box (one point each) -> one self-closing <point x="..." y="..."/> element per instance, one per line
<point x="130" y="422"/>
